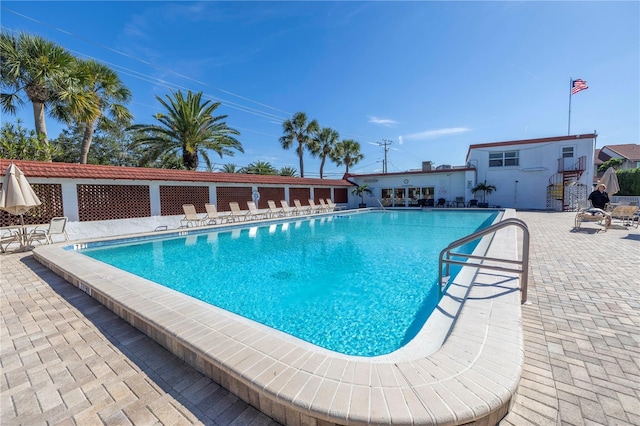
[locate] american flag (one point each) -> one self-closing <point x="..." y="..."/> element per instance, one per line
<point x="578" y="85"/>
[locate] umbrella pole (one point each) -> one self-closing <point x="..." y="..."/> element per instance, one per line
<point x="23" y="234"/>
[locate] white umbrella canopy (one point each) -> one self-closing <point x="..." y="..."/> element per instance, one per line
<point x="610" y="180"/>
<point x="17" y="196"/>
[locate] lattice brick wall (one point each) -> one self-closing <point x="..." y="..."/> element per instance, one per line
<point x="107" y="202"/>
<point x="302" y="194"/>
<point x="323" y="193"/>
<point x="226" y="194"/>
<point x="340" y="195"/>
<point x="270" y="193"/>
<point x="50" y="194"/>
<point x="173" y="197"/>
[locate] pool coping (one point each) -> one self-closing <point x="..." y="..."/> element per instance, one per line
<point x="472" y="377"/>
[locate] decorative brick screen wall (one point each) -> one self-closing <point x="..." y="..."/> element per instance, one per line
<point x="51" y="197"/>
<point x="302" y="194"/>
<point x="323" y="193"/>
<point x="270" y="193"/>
<point x="107" y="202"/>
<point x="173" y="197"/>
<point x="340" y="195"/>
<point x="226" y="194"/>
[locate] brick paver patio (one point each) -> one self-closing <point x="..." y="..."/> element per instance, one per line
<point x="68" y="360"/>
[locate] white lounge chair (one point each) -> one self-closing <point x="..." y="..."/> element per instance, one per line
<point x="274" y="211"/>
<point x="57" y="226"/>
<point x="592" y="215"/>
<point x="300" y="209"/>
<point x="256" y="213"/>
<point x="191" y="217"/>
<point x="286" y="209"/>
<point x="237" y="214"/>
<point x="323" y="206"/>
<point x="212" y="217"/>
<point x="314" y="207"/>
<point x="333" y="206"/>
<point x="8" y="237"/>
<point x="626" y="214"/>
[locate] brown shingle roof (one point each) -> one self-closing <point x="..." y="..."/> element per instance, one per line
<point x="630" y="151"/>
<point x="92" y="171"/>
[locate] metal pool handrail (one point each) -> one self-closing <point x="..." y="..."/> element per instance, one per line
<point x="524" y="263"/>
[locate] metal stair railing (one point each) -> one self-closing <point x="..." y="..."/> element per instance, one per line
<point x="523" y="264"/>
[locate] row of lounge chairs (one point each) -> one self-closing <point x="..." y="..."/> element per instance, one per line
<point x="236" y="214"/>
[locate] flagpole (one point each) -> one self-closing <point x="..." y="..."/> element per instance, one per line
<point x="569" y="125"/>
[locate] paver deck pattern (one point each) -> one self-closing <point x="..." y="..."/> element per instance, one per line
<point x="66" y="359"/>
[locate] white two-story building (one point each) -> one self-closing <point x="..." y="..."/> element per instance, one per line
<point x="553" y="173"/>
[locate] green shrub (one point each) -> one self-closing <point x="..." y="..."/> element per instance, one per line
<point x="629" y="181"/>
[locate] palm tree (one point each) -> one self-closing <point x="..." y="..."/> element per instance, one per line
<point x="299" y="130"/>
<point x="36" y="66"/>
<point x="230" y="168"/>
<point x="486" y="189"/>
<point x="188" y="127"/>
<point x="346" y="152"/>
<point x="288" y="171"/>
<point x="360" y="190"/>
<point x="261" y="168"/>
<point x="323" y="142"/>
<point x="108" y="94"/>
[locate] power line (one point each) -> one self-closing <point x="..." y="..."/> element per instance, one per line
<point x="142" y="76"/>
<point x="385" y="143"/>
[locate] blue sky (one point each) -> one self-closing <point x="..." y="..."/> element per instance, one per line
<point x="432" y="77"/>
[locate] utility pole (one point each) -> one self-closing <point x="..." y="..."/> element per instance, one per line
<point x="385" y="143"/>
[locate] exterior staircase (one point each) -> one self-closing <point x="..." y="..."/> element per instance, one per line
<point x="564" y="190"/>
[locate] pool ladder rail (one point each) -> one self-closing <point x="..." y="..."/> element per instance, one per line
<point x="523" y="269"/>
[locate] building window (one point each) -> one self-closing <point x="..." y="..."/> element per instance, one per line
<point x="567" y="152"/>
<point x="504" y="158"/>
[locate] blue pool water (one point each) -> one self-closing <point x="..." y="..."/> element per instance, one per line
<point x="359" y="284"/>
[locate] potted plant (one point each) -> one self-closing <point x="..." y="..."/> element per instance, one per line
<point x="486" y="189"/>
<point x="360" y="190"/>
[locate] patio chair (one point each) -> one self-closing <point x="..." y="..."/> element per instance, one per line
<point x="286" y="209"/>
<point x="300" y="209"/>
<point x="57" y="226"/>
<point x="430" y="202"/>
<point x="254" y="212"/>
<point x="274" y="211"/>
<point x="441" y="202"/>
<point x="212" y="217"/>
<point x="323" y="206"/>
<point x="8" y="237"/>
<point x="625" y="214"/>
<point x="592" y="215"/>
<point x="331" y="206"/>
<point x="314" y="208"/>
<point x="473" y="203"/>
<point x="191" y="217"/>
<point x="237" y="214"/>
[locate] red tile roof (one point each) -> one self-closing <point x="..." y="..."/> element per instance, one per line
<point x="92" y="171"/>
<point x="530" y="141"/>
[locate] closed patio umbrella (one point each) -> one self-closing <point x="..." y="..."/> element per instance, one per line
<point x="17" y="196"/>
<point x="610" y="180"/>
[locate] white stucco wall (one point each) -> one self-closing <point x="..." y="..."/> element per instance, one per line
<point x="447" y="184"/>
<point x="525" y="186"/>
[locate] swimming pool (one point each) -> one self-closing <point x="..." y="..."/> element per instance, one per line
<point x="470" y="375"/>
<point x="359" y="284"/>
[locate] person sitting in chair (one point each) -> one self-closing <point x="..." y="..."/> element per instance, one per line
<point x="599" y="198"/>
